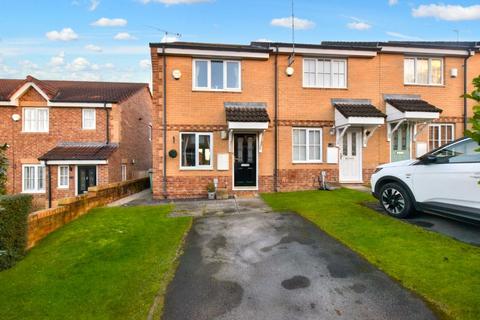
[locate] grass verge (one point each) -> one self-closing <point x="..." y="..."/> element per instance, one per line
<point x="109" y="264"/>
<point x="445" y="272"/>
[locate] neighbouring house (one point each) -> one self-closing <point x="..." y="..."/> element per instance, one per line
<point x="65" y="136"/>
<point x="269" y="117"/>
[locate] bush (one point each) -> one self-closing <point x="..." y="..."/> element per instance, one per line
<point x="13" y="228"/>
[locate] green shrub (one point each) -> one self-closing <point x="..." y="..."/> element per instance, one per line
<point x="13" y="228"/>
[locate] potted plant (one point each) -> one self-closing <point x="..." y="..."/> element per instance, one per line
<point x="211" y="191"/>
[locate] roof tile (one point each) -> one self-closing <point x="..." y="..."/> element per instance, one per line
<point x="413" y="105"/>
<point x="80" y="151"/>
<point x="359" y="110"/>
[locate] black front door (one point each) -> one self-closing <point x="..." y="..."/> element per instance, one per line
<point x="245" y="160"/>
<point x="87" y="177"/>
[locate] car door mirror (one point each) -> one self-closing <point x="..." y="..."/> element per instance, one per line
<point x="430" y="159"/>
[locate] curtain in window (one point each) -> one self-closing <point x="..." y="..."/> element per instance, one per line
<point x="188" y="150"/>
<point x="201" y="74"/>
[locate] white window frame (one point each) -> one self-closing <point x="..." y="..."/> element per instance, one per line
<point x="24" y="129"/>
<point x="35" y="189"/>
<point x="124" y="172"/>
<point x="197" y="166"/>
<point x="60" y="185"/>
<point x="305" y="85"/>
<point x="84" y="111"/>
<point x="209" y="76"/>
<point x="307" y="145"/>
<point x="415" y="83"/>
<point x="441" y="127"/>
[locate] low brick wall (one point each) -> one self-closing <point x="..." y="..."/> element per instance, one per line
<point x="41" y="223"/>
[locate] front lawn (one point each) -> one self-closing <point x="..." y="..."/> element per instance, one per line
<point x="444" y="271"/>
<point x="108" y="264"/>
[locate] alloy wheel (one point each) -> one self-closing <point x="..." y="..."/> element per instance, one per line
<point x="393" y="201"/>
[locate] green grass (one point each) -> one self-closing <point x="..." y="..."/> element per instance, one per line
<point x="445" y="272"/>
<point x="108" y="264"/>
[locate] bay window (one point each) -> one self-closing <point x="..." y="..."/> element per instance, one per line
<point x="325" y="73"/>
<point x="428" y="71"/>
<point x="307" y="145"/>
<point x="196" y="150"/>
<point x="220" y="75"/>
<point x="33" y="178"/>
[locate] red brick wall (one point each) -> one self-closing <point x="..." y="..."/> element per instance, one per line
<point x="368" y="78"/>
<point x="65" y="125"/>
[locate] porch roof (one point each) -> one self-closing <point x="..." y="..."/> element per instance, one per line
<point x="411" y="109"/>
<point x="357" y="112"/>
<point x="79" y="151"/>
<point x="414" y="105"/>
<point x="246" y="112"/>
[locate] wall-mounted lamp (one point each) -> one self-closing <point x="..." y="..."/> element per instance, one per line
<point x="176" y="74"/>
<point x="331" y="131"/>
<point x="454" y="72"/>
<point x="289" y="71"/>
<point x="16" y="117"/>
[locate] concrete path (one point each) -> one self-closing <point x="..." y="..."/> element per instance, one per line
<point x="139" y="196"/>
<point x="279" y="266"/>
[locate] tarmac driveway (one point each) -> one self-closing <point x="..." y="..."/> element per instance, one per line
<point x="279" y="266"/>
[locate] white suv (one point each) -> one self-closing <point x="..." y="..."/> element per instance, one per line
<point x="444" y="181"/>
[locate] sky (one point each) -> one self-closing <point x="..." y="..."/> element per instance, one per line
<point x="107" y="40"/>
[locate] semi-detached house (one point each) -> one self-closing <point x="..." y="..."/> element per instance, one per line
<point x="65" y="136"/>
<point x="269" y="117"/>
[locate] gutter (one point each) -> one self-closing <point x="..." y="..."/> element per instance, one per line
<point x="164" y="70"/>
<point x="275" y="173"/>
<point x="465" y="85"/>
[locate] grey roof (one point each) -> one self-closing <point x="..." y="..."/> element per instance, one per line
<point x="413" y="105"/>
<point x="246" y="112"/>
<point x="350" y="109"/>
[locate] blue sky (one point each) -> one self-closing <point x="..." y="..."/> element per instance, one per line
<point x="108" y="39"/>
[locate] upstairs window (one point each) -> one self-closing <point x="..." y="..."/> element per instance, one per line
<point x="35" y="119"/>
<point x="325" y="73"/>
<point x="218" y="75"/>
<point x="88" y="119"/>
<point x="426" y="71"/>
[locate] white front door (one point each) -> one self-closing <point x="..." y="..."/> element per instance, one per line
<point x="351" y="156"/>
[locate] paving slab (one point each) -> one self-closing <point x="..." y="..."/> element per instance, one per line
<point x="280" y="267"/>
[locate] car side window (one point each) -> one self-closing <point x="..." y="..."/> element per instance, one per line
<point x="462" y="152"/>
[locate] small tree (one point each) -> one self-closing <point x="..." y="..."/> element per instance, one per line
<point x="474" y="133"/>
<point x="3" y="169"/>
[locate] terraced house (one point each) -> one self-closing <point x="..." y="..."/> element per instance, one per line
<point x="272" y="116"/>
<point x="65" y="136"/>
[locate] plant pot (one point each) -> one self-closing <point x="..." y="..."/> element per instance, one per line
<point x="211" y="196"/>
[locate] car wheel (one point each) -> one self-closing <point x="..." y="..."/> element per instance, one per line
<point x="395" y="200"/>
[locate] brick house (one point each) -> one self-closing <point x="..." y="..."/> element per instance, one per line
<point x="65" y="136"/>
<point x="258" y="118"/>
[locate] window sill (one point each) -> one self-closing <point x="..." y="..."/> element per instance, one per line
<point x="424" y="85"/>
<point x="325" y="88"/>
<point x="35" y="132"/>
<point x="217" y="90"/>
<point x="34" y="192"/>
<point x="63" y="188"/>
<point x="196" y="169"/>
<point x="83" y="129"/>
<point x="308" y="162"/>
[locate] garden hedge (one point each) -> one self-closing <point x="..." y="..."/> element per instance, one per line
<point x="14" y="212"/>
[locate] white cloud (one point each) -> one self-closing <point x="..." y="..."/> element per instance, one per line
<point x="124" y="36"/>
<point x="300" y="24"/>
<point x="358" y="25"/>
<point x="144" y="64"/>
<point x="66" y="34"/>
<point x="174" y="2"/>
<point x="447" y="12"/>
<point x="92" y="47"/>
<point x="107" y="22"/>
<point x="402" y="36"/>
<point x="57" y="60"/>
<point x="79" y="64"/>
<point x="392" y="2"/>
<point x="93" y="5"/>
<point x="109" y="65"/>
<point x="167" y="38"/>
<point x="28" y="65"/>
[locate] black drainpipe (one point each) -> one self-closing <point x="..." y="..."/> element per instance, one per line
<point x="465" y="84"/>
<point x="275" y="173"/>
<point x="164" y="70"/>
<point x="108" y="122"/>
<point x="49" y="172"/>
